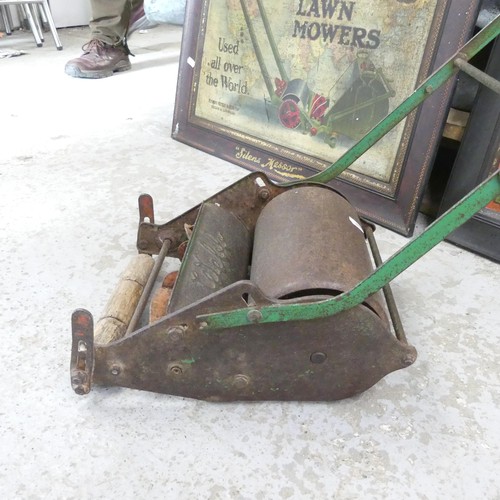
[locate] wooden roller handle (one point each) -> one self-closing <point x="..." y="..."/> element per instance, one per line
<point x="121" y="306"/>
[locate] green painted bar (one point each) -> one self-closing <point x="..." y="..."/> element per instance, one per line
<point x="438" y="78"/>
<point x="395" y="265"/>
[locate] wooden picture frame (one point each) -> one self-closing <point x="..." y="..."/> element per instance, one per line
<point x="286" y="87"/>
<point x="478" y="157"/>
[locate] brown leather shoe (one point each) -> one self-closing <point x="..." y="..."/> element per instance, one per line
<point x="99" y="60"/>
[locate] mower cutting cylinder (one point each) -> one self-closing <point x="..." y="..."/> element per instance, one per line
<point x="218" y="255"/>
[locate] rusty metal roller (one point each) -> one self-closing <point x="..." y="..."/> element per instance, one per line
<point x="309" y="243"/>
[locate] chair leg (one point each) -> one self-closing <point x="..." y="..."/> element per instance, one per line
<point x="48" y="14"/>
<point x="21" y="12"/>
<point x="33" y="28"/>
<point x="43" y="17"/>
<point x="6" y="20"/>
<point x="9" y="18"/>
<point x="36" y="19"/>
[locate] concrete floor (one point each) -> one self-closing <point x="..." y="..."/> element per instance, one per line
<point x="75" y="155"/>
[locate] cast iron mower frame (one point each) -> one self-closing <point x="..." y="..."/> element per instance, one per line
<point x="234" y="342"/>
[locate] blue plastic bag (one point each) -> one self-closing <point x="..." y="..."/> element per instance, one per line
<point x="165" y="11"/>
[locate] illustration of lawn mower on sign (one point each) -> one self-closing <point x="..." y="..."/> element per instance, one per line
<point x="358" y="110"/>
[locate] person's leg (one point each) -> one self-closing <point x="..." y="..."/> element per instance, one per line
<point x="110" y="20"/>
<point x="107" y="52"/>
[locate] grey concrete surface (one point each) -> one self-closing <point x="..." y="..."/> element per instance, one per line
<point x="74" y="156"/>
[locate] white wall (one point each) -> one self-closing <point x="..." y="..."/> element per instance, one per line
<point x="70" y="12"/>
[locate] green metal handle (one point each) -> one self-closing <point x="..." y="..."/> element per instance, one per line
<point x="421" y="93"/>
<point x="395" y="265"/>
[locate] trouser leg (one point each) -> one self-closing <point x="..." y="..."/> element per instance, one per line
<point x="110" y="19"/>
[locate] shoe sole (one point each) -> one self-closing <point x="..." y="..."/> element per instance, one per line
<point x="76" y="72"/>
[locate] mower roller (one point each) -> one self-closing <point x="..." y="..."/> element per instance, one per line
<point x="266" y="305"/>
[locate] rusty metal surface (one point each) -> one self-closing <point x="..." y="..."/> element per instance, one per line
<point x="148" y="287"/>
<point x="316" y="360"/>
<point x="244" y="199"/>
<point x="146" y="208"/>
<point x="309" y="241"/>
<point x="82" y="351"/>
<point x="319" y="359"/>
<point x="387" y="290"/>
<point x="217" y="256"/>
<point x="482" y="77"/>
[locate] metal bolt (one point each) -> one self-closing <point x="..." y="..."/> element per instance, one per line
<point x="176" y="370"/>
<point x="408" y="360"/>
<point x="254" y="316"/>
<point x="429" y="89"/>
<point x="240" y="381"/>
<point x="79" y="378"/>
<point x="143" y="244"/>
<point x="318" y="357"/>
<point x="115" y="370"/>
<point x="175" y="332"/>
<point x="264" y="194"/>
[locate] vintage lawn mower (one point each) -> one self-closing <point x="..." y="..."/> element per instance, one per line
<point x="359" y="108"/>
<point x="266" y="305"/>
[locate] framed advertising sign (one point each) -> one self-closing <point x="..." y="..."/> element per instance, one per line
<point x="477" y="158"/>
<point x="286" y="87"/>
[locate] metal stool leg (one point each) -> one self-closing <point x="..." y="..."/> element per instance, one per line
<point x="34" y="29"/>
<point x="33" y="8"/>
<point x="48" y="14"/>
<point x="8" y="12"/>
<point x="6" y="20"/>
<point x="43" y="17"/>
<point x="23" y="18"/>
